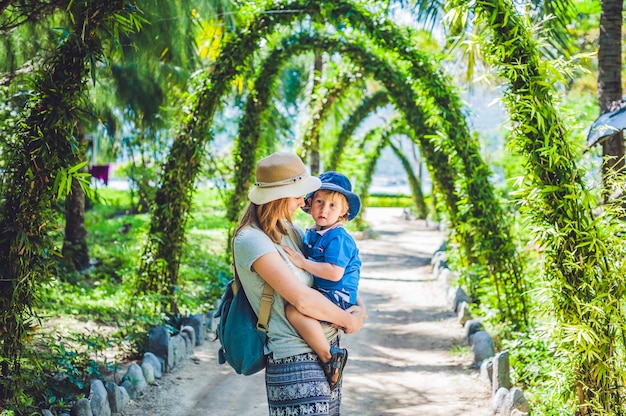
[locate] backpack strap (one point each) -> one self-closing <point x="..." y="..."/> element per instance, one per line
<point x="267" y="299"/>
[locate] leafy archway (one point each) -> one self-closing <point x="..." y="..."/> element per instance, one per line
<point x="447" y="146"/>
<point x="395" y="126"/>
<point x="368" y="105"/>
<point x="398" y="87"/>
<point x="340" y="86"/>
<point x="404" y="97"/>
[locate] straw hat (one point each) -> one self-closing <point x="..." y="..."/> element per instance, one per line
<point x="281" y="175"/>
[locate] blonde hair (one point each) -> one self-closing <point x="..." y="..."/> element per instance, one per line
<point x="269" y="217"/>
<point x="336" y="196"/>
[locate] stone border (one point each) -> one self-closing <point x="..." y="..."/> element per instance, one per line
<point x="494" y="367"/>
<point x="164" y="353"/>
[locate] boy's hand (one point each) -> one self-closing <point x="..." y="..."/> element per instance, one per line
<point x="295" y="256"/>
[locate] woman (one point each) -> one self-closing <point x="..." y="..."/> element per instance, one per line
<point x="294" y="379"/>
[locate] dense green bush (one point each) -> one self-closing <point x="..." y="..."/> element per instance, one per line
<point x="92" y="321"/>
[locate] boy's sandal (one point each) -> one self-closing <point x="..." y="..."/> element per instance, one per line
<point x="334" y="368"/>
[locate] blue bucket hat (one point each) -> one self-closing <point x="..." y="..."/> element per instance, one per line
<point x="335" y="181"/>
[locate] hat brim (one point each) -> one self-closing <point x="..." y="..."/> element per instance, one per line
<point x="354" y="202"/>
<point x="304" y="186"/>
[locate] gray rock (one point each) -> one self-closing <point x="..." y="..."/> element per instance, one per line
<point x="46" y="412"/>
<point x="124" y="396"/>
<point x="501" y="371"/>
<point x="438" y="261"/>
<point x="159" y="344"/>
<point x="98" y="399"/>
<point x="447" y="277"/>
<point x="464" y="313"/>
<point x="191" y="334"/>
<point x="212" y="320"/>
<point x="471" y="327"/>
<point x="148" y="372"/>
<point x="81" y="408"/>
<point x="199" y="325"/>
<point x="437" y="255"/>
<point x="130" y="389"/>
<point x="155" y="362"/>
<point x="499" y="398"/>
<point x="459" y="297"/>
<point x="486" y="371"/>
<point x="114" y="396"/>
<point x="135" y="376"/>
<point x="187" y="340"/>
<point x="482" y="346"/>
<point x="515" y="400"/>
<point x="179" y="348"/>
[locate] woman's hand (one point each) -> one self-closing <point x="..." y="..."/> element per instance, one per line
<point x="294" y="256"/>
<point x="357" y="314"/>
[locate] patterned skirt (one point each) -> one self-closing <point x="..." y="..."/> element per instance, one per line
<point x="297" y="386"/>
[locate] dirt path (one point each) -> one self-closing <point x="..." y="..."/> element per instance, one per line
<point x="401" y="362"/>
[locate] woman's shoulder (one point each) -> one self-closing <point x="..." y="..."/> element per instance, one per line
<point x="251" y="233"/>
<point x="251" y="243"/>
<point x="252" y="239"/>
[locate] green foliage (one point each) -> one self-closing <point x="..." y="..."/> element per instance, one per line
<point x="410" y="78"/>
<point x="368" y="105"/>
<point x="39" y="163"/>
<point x="538" y="368"/>
<point x="389" y="201"/>
<point x="67" y="350"/>
<point x="583" y="277"/>
<point x="58" y="368"/>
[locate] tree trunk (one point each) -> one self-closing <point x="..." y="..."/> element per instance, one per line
<point x="75" y="250"/>
<point x="610" y="84"/>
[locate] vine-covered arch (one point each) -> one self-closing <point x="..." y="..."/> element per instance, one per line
<point x="448" y="132"/>
<point x="402" y="92"/>
<point x="369" y="104"/>
<point x="311" y="141"/>
<point x="395" y="126"/>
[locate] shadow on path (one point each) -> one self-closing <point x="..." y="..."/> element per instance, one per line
<point x="411" y="357"/>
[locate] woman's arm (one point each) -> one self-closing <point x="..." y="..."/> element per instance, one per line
<point x="273" y="269"/>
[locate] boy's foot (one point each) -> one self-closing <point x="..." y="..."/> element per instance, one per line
<point x="334" y="368"/>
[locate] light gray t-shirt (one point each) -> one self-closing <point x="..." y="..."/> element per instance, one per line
<point x="251" y="244"/>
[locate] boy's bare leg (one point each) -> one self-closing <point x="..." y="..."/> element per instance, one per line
<point x="311" y="331"/>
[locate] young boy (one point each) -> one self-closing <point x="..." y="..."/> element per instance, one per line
<point x="333" y="259"/>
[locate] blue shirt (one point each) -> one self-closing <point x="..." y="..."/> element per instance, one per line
<point x="336" y="246"/>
